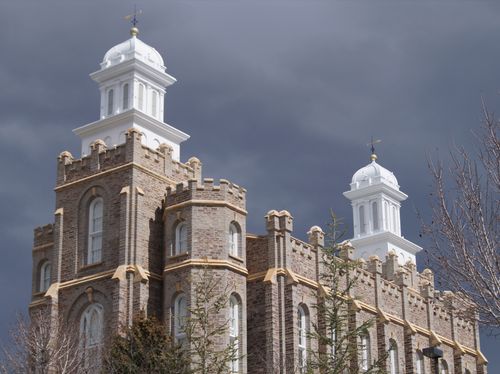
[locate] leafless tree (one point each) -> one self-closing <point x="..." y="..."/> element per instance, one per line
<point x="38" y="346"/>
<point x="464" y="228"/>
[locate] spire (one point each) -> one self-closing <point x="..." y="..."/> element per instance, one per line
<point x="133" y="20"/>
<point x="373" y="156"/>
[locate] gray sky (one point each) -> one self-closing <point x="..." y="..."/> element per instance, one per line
<point x="278" y="96"/>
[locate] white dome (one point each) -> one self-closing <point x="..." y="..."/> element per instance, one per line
<point x="130" y="49"/>
<point x="371" y="174"/>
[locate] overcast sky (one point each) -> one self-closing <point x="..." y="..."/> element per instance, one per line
<point x="280" y="97"/>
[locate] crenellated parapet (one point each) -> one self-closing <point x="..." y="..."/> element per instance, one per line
<point x="43" y="235"/>
<point x="206" y="192"/>
<point x="106" y="158"/>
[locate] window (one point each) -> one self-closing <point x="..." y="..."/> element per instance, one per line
<point x="362" y="219"/>
<point x="394" y="219"/>
<point x="333" y="337"/>
<point x="302" y="334"/>
<point x="393" y="357"/>
<point x="125" y="96"/>
<point x="154" y="97"/>
<point x="95" y="231"/>
<point x="365" y="351"/>
<point x="386" y="220"/>
<point x="234" y="332"/>
<point x="375" y="216"/>
<point x="180" y="314"/>
<point x="140" y="100"/>
<point x="234" y="240"/>
<point x="91" y="326"/>
<point x="420" y="363"/>
<point x="110" y="102"/>
<point x="44" y="277"/>
<point x="444" y="367"/>
<point x="180" y="238"/>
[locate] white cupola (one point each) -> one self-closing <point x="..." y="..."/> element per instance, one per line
<point x="376" y="200"/>
<point x="132" y="81"/>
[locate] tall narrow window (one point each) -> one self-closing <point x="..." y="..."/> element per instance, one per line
<point x="234" y="239"/>
<point x="125" y="96"/>
<point x="393" y="357"/>
<point x="110" y="102"/>
<point x="444" y="367"/>
<point x="386" y="218"/>
<point x="140" y="99"/>
<point x="180" y="314"/>
<point x="95" y="231"/>
<point x="420" y="362"/>
<point x="154" y="98"/>
<point x="44" y="276"/>
<point x="365" y="356"/>
<point x="234" y="332"/>
<point x="375" y="216"/>
<point x="302" y="334"/>
<point x="180" y="238"/>
<point x="333" y="346"/>
<point x="362" y="221"/>
<point x="91" y="328"/>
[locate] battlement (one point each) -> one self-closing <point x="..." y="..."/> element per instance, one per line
<point x="43" y="235"/>
<point x="206" y="190"/>
<point x="102" y="159"/>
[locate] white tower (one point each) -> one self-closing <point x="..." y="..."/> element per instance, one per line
<point x="376" y="200"/>
<point x="132" y="81"/>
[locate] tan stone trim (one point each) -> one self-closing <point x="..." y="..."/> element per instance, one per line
<point x="118" y="168"/>
<point x="459" y="350"/>
<point x="59" y="211"/>
<point x="53" y="290"/>
<point x="256" y="276"/>
<point x="383" y="316"/>
<point x="88" y="278"/>
<point x="140" y="191"/>
<point x="410" y="327"/>
<point x="217" y="203"/>
<point x="435" y="339"/>
<point x="154" y="276"/>
<point x="36" y="303"/>
<point x="481" y="360"/>
<point x="43" y="246"/>
<point x="255" y="236"/>
<point x="367" y="307"/>
<point x="125" y="190"/>
<point x="236" y="258"/>
<point x="208" y="262"/>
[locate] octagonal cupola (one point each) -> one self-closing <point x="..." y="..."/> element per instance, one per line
<point x="132" y="82"/>
<point x="376" y="202"/>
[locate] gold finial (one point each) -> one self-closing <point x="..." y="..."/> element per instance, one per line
<point x="373" y="156"/>
<point x="133" y="19"/>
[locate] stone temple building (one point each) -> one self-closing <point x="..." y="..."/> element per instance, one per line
<point x="132" y="220"/>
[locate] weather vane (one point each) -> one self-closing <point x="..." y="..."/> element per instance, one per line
<point x="372" y="143"/>
<point x="133" y="20"/>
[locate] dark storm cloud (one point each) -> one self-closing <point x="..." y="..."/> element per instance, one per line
<point x="278" y="96"/>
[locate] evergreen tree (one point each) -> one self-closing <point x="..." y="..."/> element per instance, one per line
<point x="145" y="347"/>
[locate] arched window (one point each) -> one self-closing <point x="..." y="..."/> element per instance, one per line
<point x="44" y="277"/>
<point x="393" y="357"/>
<point x="375" y="216"/>
<point x="235" y="332"/>
<point x="95" y="231"/>
<point x="444" y="367"/>
<point x="387" y="218"/>
<point x="420" y="363"/>
<point x="180" y="238"/>
<point x="140" y="99"/>
<point x="180" y="314"/>
<point x="234" y="240"/>
<point x="154" y="98"/>
<point x="91" y="334"/>
<point x="362" y="221"/>
<point x="110" y="102"/>
<point x="365" y="351"/>
<point x="125" y="96"/>
<point x="302" y="331"/>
